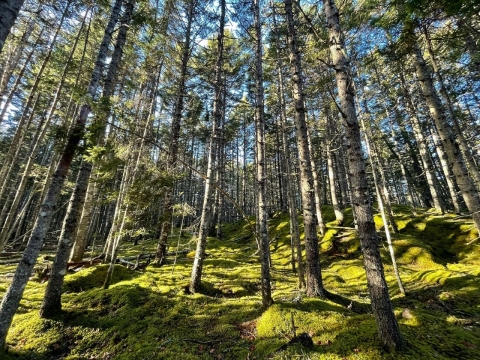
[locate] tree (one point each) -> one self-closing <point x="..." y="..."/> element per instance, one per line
<point x="166" y="219"/>
<point x="14" y="293"/>
<point x="388" y="330"/>
<point x="9" y="10"/>
<point x="314" y="276"/>
<point x="52" y="299"/>
<point x="262" y="216"/>
<point x="207" y="207"/>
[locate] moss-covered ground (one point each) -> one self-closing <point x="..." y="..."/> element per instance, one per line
<point x="148" y="315"/>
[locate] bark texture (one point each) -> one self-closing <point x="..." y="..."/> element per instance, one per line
<point x="14" y="293"/>
<point x="208" y="199"/>
<point x="314" y="276"/>
<point x="388" y="330"/>
<point x="9" y="10"/>
<point x="261" y="172"/>
<point x="447" y="135"/>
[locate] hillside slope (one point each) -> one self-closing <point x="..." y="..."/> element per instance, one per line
<point x="148" y="315"/>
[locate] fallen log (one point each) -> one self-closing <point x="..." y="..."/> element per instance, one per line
<point x="86" y="263"/>
<point x="151" y="256"/>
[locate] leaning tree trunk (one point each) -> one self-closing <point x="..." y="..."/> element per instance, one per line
<point x="19" y="80"/>
<point x="25" y="119"/>
<point x="446" y="133"/>
<point x="314" y="275"/>
<point x="11" y="212"/>
<point x="52" y="299"/>
<point x="422" y="148"/>
<point x="388" y="330"/>
<point x="14" y="58"/>
<point x="381" y="201"/>
<point x="14" y="293"/>
<point x="9" y="10"/>
<point x="261" y="172"/>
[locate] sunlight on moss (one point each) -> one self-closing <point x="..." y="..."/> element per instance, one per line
<point x="148" y="315"/>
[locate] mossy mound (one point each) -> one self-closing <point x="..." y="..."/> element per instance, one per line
<point x="94" y="277"/>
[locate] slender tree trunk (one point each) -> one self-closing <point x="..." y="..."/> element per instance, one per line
<point x="166" y="217"/>
<point x="207" y="207"/>
<point x="314" y="276"/>
<point x="14" y="293"/>
<point x="388" y="330"/>
<point x="27" y="115"/>
<point x="9" y="10"/>
<point x="381" y="203"/>
<point x="14" y="59"/>
<point x="339" y="217"/>
<point x="423" y="149"/>
<point x="25" y="118"/>
<point x="261" y="172"/>
<point x="316" y="187"/>
<point x="18" y="81"/>
<point x="289" y="179"/>
<point x="445" y="170"/>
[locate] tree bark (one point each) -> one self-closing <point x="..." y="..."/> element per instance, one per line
<point x="313" y="271"/>
<point x="207" y="207"/>
<point x="289" y="178"/>
<point x="166" y="217"/>
<point x="388" y="330"/>
<point x="14" y="293"/>
<point x="446" y="133"/>
<point x="261" y="172"/>
<point x="9" y="10"/>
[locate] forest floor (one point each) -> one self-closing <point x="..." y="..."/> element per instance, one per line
<point x="148" y="314"/>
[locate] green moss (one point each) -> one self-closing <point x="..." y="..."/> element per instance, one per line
<point x="148" y="315"/>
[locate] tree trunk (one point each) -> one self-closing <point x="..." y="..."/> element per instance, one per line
<point x="316" y="187"/>
<point x="470" y="162"/>
<point x="14" y="59"/>
<point x="207" y="207"/>
<point x="9" y="10"/>
<point x="166" y="217"/>
<point x="381" y="203"/>
<point x="38" y="143"/>
<point x="14" y="293"/>
<point x="388" y="330"/>
<point x="289" y="178"/>
<point x="423" y="149"/>
<point x="261" y="172"/>
<point x="26" y="118"/>
<point x="339" y="217"/>
<point x="314" y="276"/>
